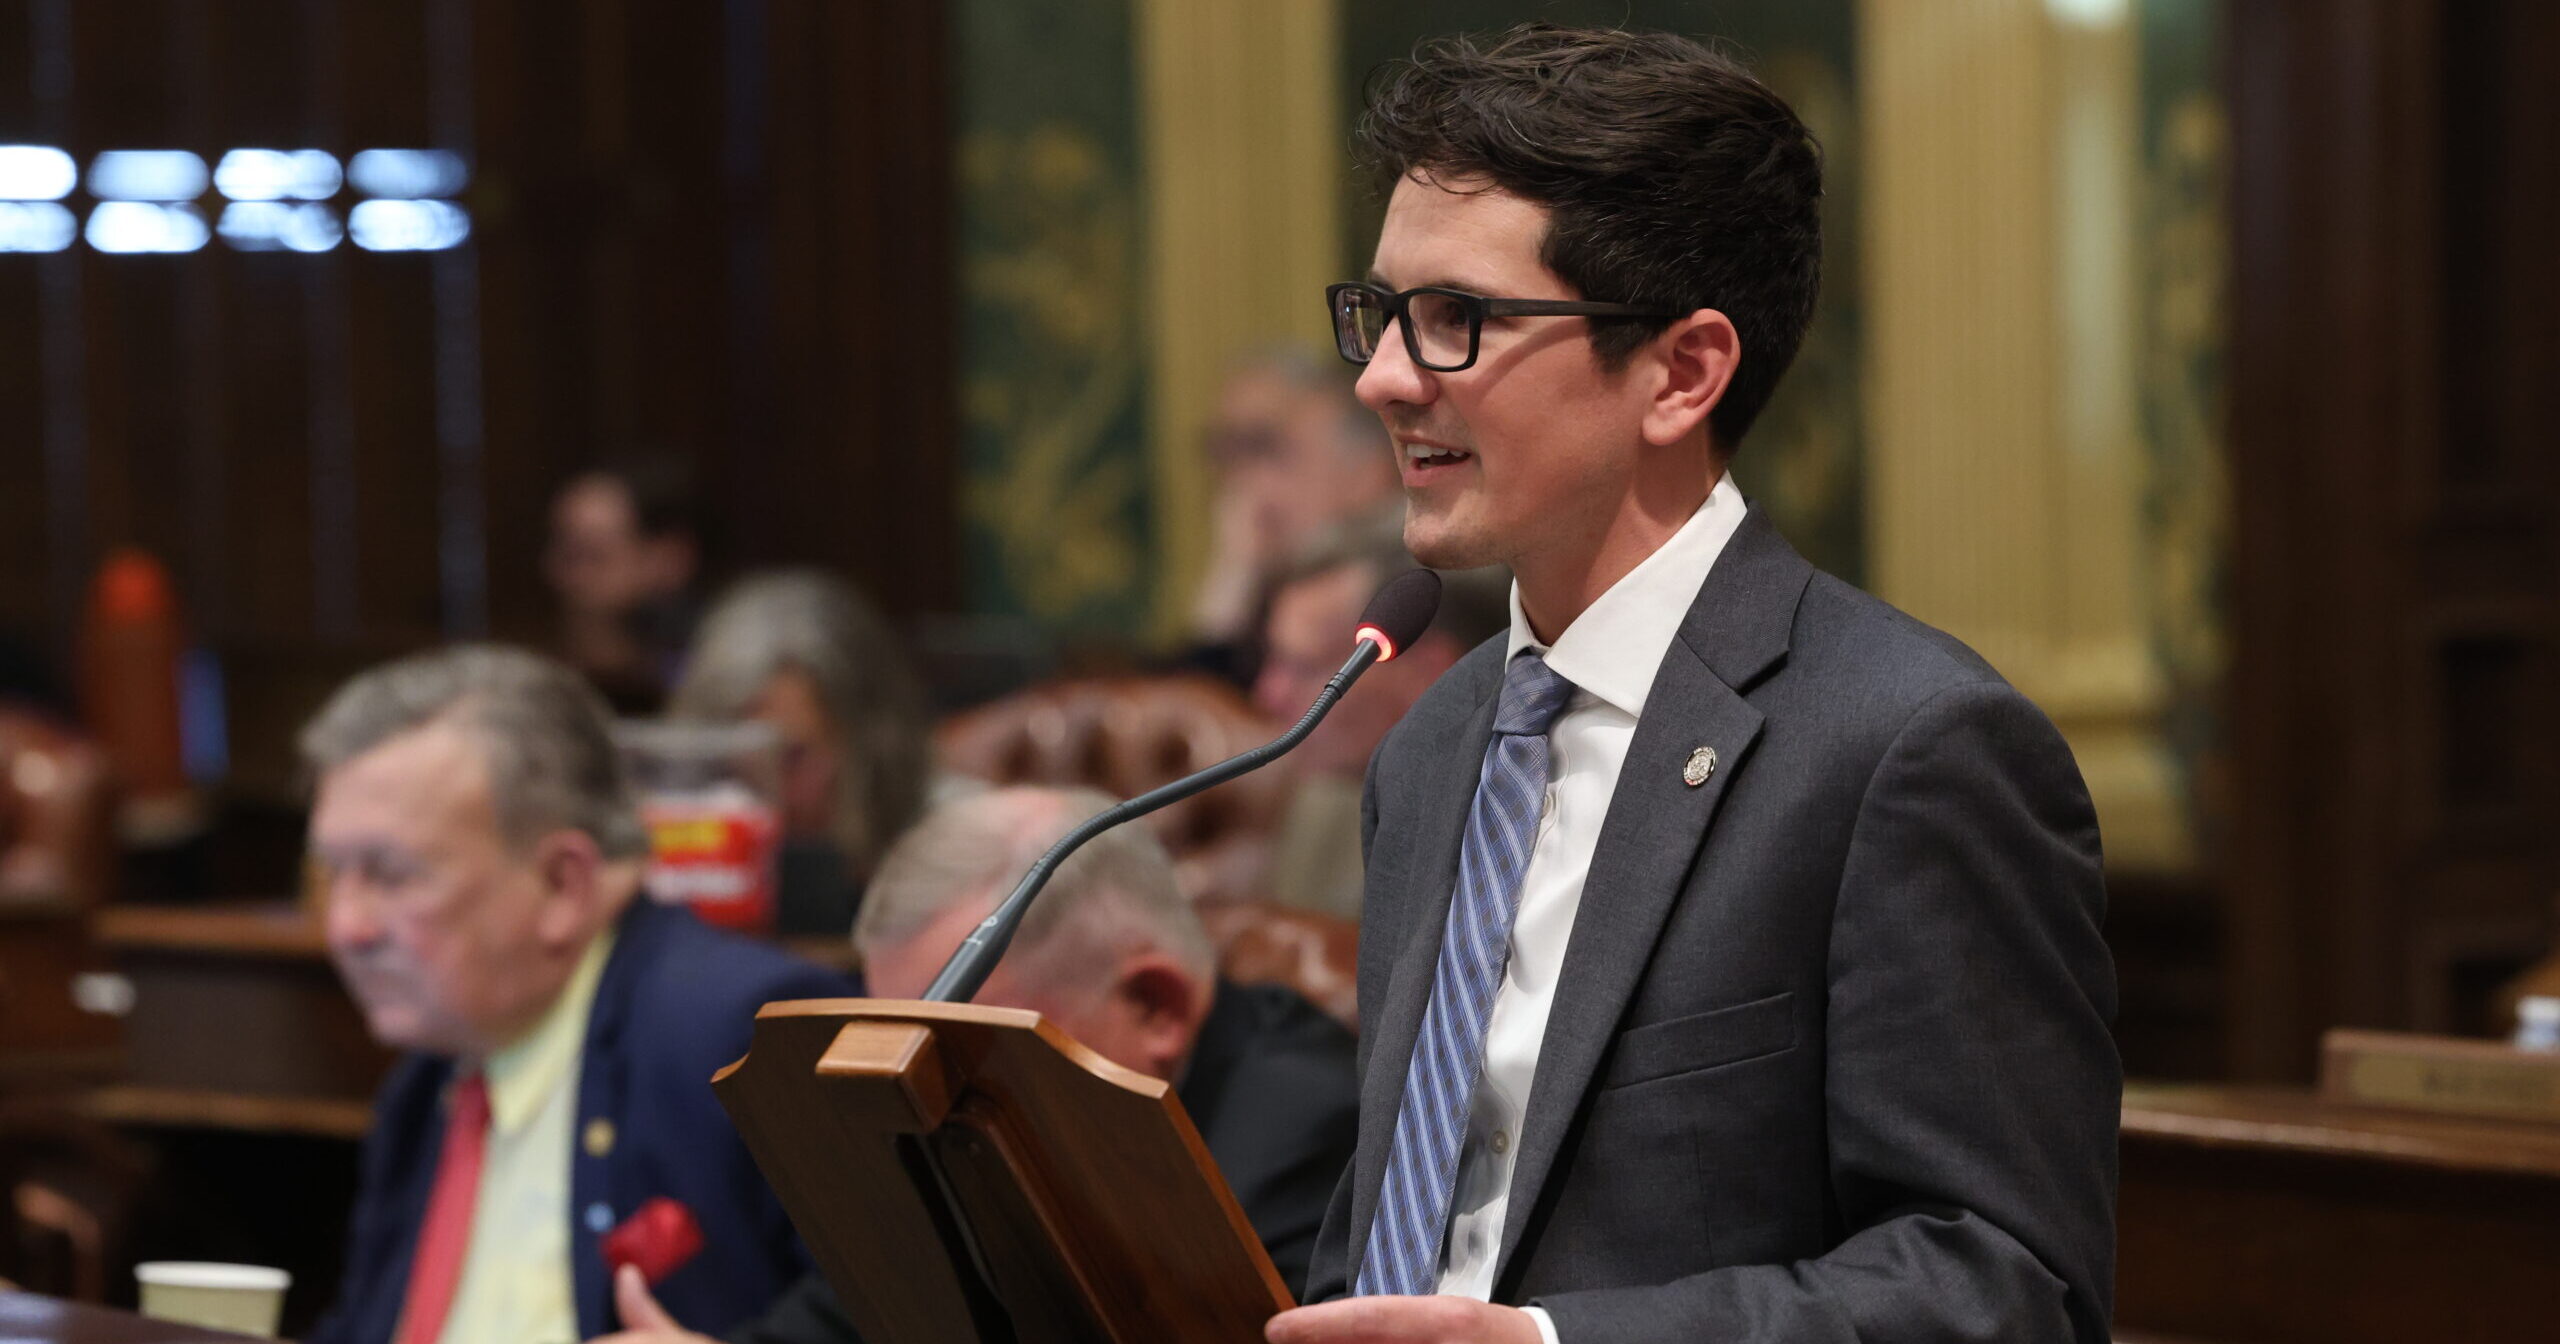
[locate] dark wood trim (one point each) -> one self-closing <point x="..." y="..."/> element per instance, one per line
<point x="2395" y="598"/>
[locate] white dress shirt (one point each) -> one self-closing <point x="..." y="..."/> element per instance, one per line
<point x="1610" y="653"/>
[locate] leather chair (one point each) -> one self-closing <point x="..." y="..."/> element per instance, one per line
<point x="57" y="854"/>
<point x="57" y="842"/>
<point x="70" y="1188"/>
<point x="1124" y="736"/>
<point x="1315" y="954"/>
<point x="69" y="1185"/>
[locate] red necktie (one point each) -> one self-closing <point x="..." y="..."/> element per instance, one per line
<point x="446" y="1238"/>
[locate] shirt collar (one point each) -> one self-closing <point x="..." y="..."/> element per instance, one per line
<point x="1612" y="650"/>
<point x="531" y="1070"/>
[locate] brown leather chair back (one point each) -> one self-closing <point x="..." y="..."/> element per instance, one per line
<point x="57" y="857"/>
<point x="69" y="1191"/>
<point x="1124" y="736"/>
<point x="1315" y="954"/>
<point x="57" y="843"/>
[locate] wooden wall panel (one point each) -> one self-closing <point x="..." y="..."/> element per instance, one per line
<point x="2396" y="603"/>
<point x="672" y="265"/>
<point x="862" y="359"/>
<point x="527" y="197"/>
<point x="716" y="230"/>
<point x="23" y="567"/>
<point x="265" y="502"/>
<point x="249" y="563"/>
<point x="18" y="120"/>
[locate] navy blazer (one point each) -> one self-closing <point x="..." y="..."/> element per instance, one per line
<point x="676" y="1003"/>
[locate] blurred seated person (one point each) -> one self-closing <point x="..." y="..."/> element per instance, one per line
<point x="482" y="858"/>
<point x="56" y="796"/>
<point x="57" y="816"/>
<point x="623" y="560"/>
<point x="804" y="652"/>
<point x="1112" y="954"/>
<point x="1294" y="453"/>
<point x="1315" y="606"/>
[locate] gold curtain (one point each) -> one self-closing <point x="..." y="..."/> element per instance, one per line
<point x="1242" y="128"/>
<point x="2004" y="437"/>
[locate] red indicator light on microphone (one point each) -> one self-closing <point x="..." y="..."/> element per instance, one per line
<point x="1400" y="611"/>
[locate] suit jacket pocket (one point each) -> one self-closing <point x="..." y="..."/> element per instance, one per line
<point x="1703" y="1041"/>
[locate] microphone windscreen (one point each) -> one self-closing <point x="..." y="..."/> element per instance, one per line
<point x="1402" y="608"/>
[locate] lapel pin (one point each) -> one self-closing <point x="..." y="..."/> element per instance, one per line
<point x="1702" y="763"/>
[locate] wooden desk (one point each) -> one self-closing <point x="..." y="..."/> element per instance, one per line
<point x="44" y="1320"/>
<point x="2262" y="1216"/>
<point x="238" y="1021"/>
<point x="44" y="1035"/>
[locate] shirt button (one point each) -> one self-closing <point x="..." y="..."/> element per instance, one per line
<point x="1501" y="1142"/>
<point x="599" y="1217"/>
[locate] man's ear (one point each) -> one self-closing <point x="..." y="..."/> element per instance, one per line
<point x="1165" y="1005"/>
<point x="571" y="870"/>
<point x="1697" y="355"/>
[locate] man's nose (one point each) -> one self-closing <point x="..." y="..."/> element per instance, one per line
<point x="347" y="916"/>
<point x="1391" y="376"/>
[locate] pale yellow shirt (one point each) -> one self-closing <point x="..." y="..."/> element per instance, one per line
<point x="516" y="1285"/>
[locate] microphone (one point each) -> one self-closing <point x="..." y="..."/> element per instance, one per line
<point x="1395" y="617"/>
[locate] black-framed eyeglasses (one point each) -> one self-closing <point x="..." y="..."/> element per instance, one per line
<point x="1442" y="327"/>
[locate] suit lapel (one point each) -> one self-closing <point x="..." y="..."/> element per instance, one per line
<point x="601" y="1097"/>
<point x="410" y="1122"/>
<point x="1736" y="632"/>
<point x="1429" y="879"/>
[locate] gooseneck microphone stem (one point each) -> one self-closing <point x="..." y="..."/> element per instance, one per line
<point x="978" y="953"/>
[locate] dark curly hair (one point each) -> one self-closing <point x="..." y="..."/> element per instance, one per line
<point x="1672" y="176"/>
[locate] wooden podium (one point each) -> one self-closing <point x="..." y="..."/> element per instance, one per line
<point x="971" y="1173"/>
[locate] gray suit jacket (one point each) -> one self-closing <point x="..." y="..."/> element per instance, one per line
<point x="1829" y="1057"/>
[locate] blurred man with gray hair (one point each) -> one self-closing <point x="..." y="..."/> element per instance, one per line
<point x="482" y="859"/>
<point x="1114" y="955"/>
<point x="1111" y="951"/>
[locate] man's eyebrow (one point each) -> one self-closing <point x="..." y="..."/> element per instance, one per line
<point x="362" y="847"/>
<point x="1459" y="283"/>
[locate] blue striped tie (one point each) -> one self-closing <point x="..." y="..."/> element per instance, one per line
<point x="1403" y="1256"/>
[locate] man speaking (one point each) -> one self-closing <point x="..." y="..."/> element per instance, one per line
<point x="1730" y="961"/>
